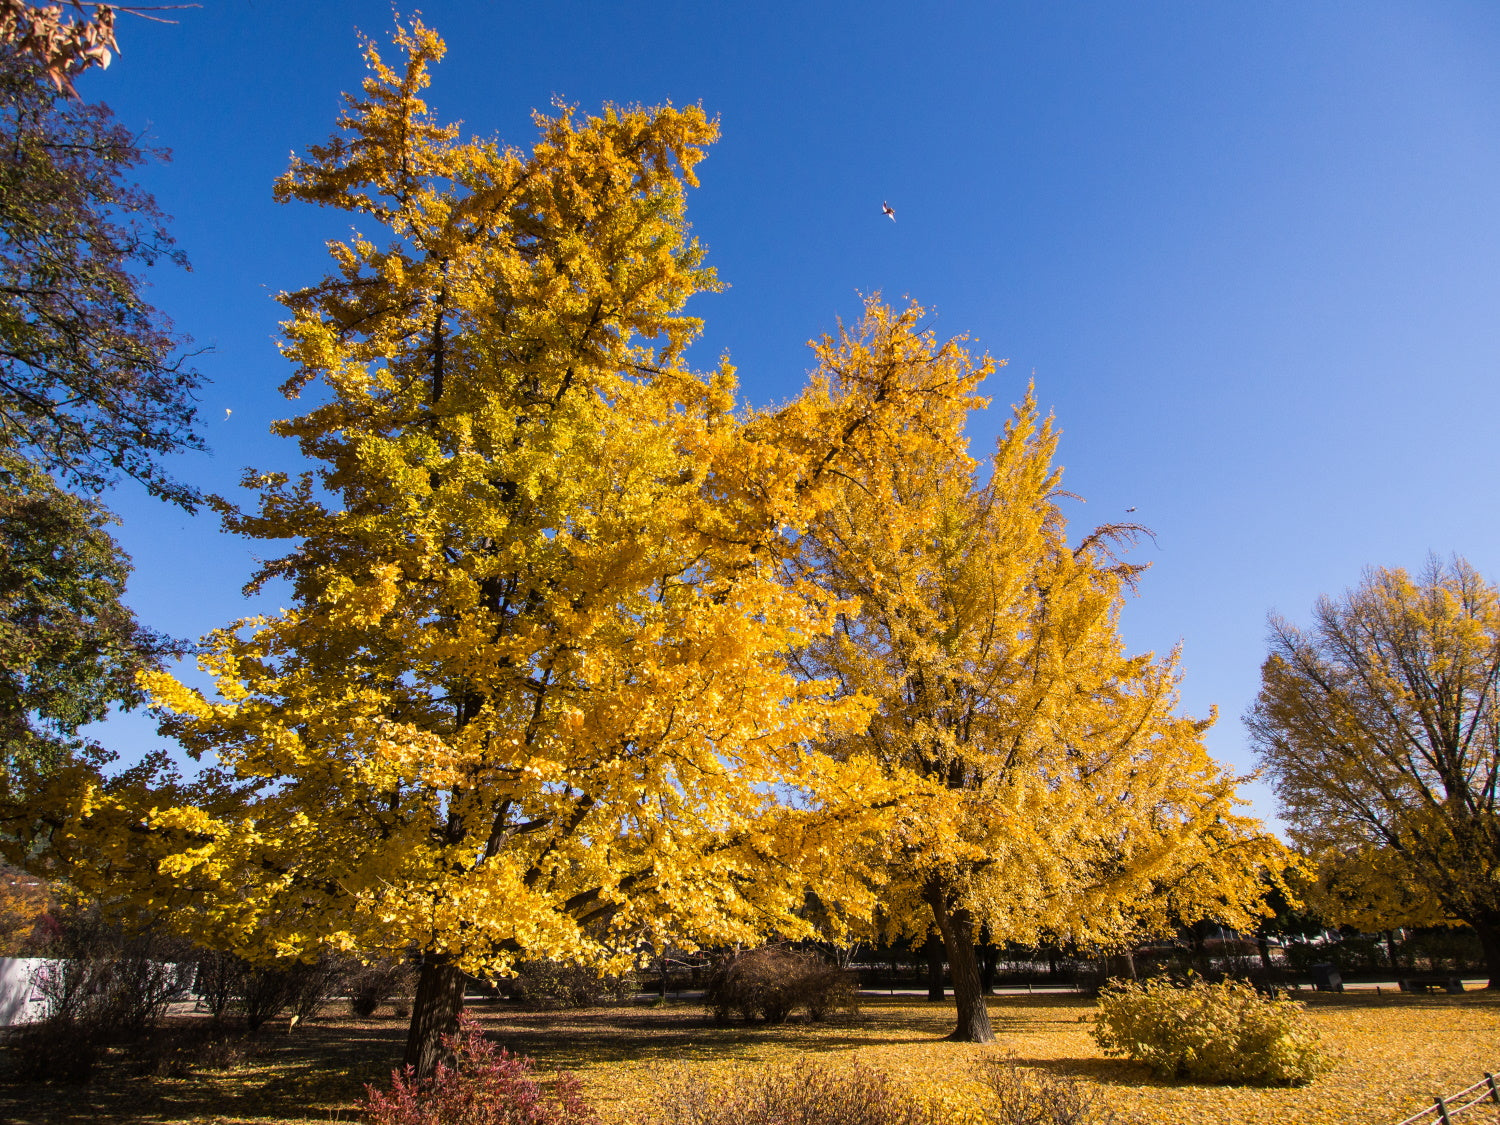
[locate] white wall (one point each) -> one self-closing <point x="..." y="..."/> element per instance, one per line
<point x="16" y="999"/>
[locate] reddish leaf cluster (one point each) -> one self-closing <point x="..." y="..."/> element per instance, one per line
<point x="483" y="1085"/>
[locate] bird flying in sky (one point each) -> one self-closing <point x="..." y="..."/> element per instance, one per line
<point x="888" y="211"/>
<point x="1130" y="509"/>
<point x="227" y="413"/>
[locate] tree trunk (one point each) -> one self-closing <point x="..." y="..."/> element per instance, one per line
<point x="988" y="964"/>
<point x="434" y="1013"/>
<point x="1198" y="936"/>
<point x="1120" y="966"/>
<point x="1489" y="941"/>
<point x="958" y="936"/>
<point x="934" y="967"/>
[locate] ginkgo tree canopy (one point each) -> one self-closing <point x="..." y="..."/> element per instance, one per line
<point x="1052" y="788"/>
<point x="579" y="651"/>
<point x="530" y="696"/>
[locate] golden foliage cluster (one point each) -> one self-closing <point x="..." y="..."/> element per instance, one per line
<point x="582" y="652"/>
<point x="531" y="697"/>
<point x="1051" y="787"/>
<point x="24" y="903"/>
<point x="1210" y="1032"/>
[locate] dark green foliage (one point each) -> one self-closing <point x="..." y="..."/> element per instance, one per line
<point x="1288" y="921"/>
<point x="69" y="648"/>
<point x="89" y="386"/>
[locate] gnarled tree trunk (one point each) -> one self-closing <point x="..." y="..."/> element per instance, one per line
<point x="434" y="1013"/>
<point x="957" y="928"/>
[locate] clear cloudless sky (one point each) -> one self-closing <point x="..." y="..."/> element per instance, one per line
<point x="1248" y="252"/>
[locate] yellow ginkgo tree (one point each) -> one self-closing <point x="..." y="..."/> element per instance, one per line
<point x="530" y="696"/>
<point x="1051" y="788"/>
<point x="1380" y="727"/>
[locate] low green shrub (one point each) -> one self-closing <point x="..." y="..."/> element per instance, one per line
<point x="1226" y="1033"/>
<point x="803" y="1093"/>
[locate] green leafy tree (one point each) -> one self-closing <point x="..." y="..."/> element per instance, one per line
<point x="92" y="383"/>
<point x="91" y="387"/>
<point x="69" y="648"/>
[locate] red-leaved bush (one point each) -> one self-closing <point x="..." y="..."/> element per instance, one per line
<point x="484" y="1085"/>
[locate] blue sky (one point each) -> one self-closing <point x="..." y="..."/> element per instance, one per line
<point x="1249" y="252"/>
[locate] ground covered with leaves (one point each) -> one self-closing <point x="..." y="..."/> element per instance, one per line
<point x="1392" y="1053"/>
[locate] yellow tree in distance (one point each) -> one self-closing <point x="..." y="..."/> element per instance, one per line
<point x="1052" y="788"/>
<point x="1380" y="727"/>
<point x="531" y="697"/>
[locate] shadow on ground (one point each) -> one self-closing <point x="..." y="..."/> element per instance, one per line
<point x="685" y="1033"/>
<point x="316" y="1074"/>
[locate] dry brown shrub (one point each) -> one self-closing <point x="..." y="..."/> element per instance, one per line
<point x="181" y="1050"/>
<point x="558" y="984"/>
<point x="772" y="982"/>
<point x="1027" y="1096"/>
<point x="371" y="985"/>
